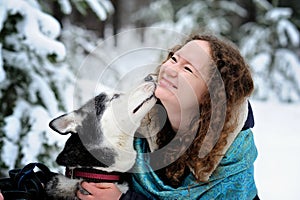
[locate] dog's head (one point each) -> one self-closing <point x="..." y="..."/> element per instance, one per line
<point x="103" y="129"/>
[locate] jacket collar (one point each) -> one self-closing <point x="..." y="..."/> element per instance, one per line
<point x="243" y="115"/>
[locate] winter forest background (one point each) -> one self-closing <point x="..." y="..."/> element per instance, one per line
<point x="53" y="54"/>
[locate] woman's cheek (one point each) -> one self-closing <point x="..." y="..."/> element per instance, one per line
<point x="163" y="93"/>
<point x="158" y="92"/>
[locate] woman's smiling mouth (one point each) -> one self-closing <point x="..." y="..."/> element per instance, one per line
<point x="165" y="83"/>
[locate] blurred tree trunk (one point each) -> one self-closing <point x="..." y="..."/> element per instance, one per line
<point x="89" y="20"/>
<point x="116" y="19"/>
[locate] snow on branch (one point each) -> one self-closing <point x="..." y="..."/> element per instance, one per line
<point x="38" y="29"/>
<point x="41" y="87"/>
<point x="101" y="8"/>
<point x="2" y="72"/>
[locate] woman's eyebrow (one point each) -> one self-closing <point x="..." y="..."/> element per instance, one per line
<point x="197" y="68"/>
<point x="182" y="57"/>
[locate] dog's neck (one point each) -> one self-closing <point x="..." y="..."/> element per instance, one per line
<point x="120" y="139"/>
<point x="117" y="131"/>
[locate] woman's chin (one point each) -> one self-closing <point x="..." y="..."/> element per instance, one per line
<point x="163" y="93"/>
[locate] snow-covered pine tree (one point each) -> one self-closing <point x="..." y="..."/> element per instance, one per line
<point x="271" y="45"/>
<point x="102" y="8"/>
<point x="193" y="15"/>
<point x="33" y="83"/>
<point x="208" y="15"/>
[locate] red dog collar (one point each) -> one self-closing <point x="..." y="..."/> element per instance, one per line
<point x="92" y="174"/>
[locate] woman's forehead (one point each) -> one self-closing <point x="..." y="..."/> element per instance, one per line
<point x="195" y="52"/>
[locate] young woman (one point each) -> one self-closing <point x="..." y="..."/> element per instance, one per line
<point x="206" y="148"/>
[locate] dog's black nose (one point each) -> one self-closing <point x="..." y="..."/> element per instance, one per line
<point x="148" y="78"/>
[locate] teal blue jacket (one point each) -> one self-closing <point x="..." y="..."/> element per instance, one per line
<point x="232" y="179"/>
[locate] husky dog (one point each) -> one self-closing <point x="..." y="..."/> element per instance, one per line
<point x="100" y="147"/>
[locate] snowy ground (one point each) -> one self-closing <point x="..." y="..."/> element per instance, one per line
<point x="277" y="136"/>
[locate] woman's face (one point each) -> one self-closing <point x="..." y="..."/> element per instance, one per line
<point x="182" y="78"/>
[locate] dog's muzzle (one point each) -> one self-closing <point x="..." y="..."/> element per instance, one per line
<point x="150" y="78"/>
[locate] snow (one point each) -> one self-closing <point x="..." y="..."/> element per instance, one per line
<point x="101" y="8"/>
<point x="233" y="7"/>
<point x="39" y="29"/>
<point x="263" y="3"/>
<point x="276" y="134"/>
<point x="278" y="13"/>
<point x="9" y="153"/>
<point x="288" y="31"/>
<point x="65" y="6"/>
<point x="13" y="122"/>
<point x="12" y="127"/>
<point x="26" y="50"/>
<point x="2" y="72"/>
<point x="2" y="14"/>
<point x="32" y="143"/>
<point x="39" y="88"/>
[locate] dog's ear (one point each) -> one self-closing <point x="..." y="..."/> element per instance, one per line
<point x="66" y="123"/>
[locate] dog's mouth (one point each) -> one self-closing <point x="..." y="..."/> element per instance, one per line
<point x="139" y="106"/>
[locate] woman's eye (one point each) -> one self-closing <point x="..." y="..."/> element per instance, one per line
<point x="188" y="69"/>
<point x="174" y="59"/>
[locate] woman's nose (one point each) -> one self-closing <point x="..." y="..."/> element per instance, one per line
<point x="172" y="70"/>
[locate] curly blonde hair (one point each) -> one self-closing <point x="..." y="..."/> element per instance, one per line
<point x="238" y="85"/>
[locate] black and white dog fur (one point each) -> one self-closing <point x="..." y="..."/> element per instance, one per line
<point x="102" y="134"/>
